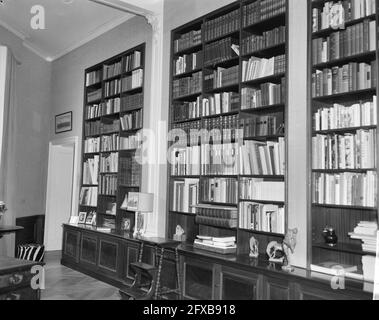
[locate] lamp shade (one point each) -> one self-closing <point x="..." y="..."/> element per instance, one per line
<point x="140" y="202"/>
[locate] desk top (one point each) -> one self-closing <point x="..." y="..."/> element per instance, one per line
<point x="10" y="229"/>
<point x="9" y="265"/>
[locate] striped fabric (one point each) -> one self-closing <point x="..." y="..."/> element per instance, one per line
<point x="31" y="252"/>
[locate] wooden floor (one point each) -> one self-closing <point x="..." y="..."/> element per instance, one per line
<point x="66" y="284"/>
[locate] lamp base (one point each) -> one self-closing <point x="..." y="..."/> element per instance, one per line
<point x="139" y="225"/>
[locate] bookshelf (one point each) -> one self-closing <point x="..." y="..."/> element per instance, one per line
<point x="113" y="115"/>
<point x="228" y="78"/>
<point x="344" y="120"/>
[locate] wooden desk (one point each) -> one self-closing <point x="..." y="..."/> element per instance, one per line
<point x="15" y="280"/>
<point x="9" y="229"/>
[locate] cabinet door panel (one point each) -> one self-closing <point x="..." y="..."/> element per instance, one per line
<point x="71" y="244"/>
<point x="132" y="252"/>
<point x="88" y="252"/>
<point x="306" y="292"/>
<point x="277" y="289"/>
<point x="239" y="285"/>
<point x="108" y="256"/>
<point x="198" y="280"/>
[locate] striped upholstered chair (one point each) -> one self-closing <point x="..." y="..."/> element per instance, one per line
<point x="31" y="252"/>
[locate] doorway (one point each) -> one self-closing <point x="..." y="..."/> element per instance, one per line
<point x="62" y="186"/>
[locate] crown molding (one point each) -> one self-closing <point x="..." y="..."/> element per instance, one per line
<point x="124" y="6"/>
<point x="14" y="31"/>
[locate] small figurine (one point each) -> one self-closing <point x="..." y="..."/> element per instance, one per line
<point x="3" y="209"/>
<point x="330" y="236"/>
<point x="179" y="234"/>
<point x="289" y="245"/>
<point x="254" y="248"/>
<point x="275" y="252"/>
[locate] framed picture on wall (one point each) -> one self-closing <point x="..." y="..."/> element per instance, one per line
<point x="63" y="122"/>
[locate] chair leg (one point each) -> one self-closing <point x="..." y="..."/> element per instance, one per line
<point x="158" y="288"/>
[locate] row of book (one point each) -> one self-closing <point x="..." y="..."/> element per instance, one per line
<point x="356" y="39"/>
<point x="94" y="95"/>
<point x="88" y="196"/>
<point x="350" y="77"/>
<point x="347" y="151"/>
<point x="132" y="102"/>
<point x="220" y="103"/>
<point x="111" y="106"/>
<point x="366" y="232"/>
<point x="92" y="128"/>
<point x="188" y="40"/>
<point x="256" y="68"/>
<point x="222" y="77"/>
<point x="216" y="216"/>
<point x="130" y="172"/>
<point x="219" y="190"/>
<point x="268" y="94"/>
<point x="185" y="161"/>
<point x="219" y="159"/>
<point x="350" y="189"/>
<point x="110" y="143"/>
<point x="262" y="10"/>
<point x="259" y="126"/>
<point x="347" y="10"/>
<point x="132" y="82"/>
<point x="112" y="88"/>
<point x="92" y="145"/>
<point x="222" y="25"/>
<point x="186" y="133"/>
<point x="346" y="116"/>
<point x="221" y="129"/>
<point x="220" y="51"/>
<point x="133" y="61"/>
<point x="93" y="77"/>
<point x="188" y="85"/>
<point x="268" y="39"/>
<point x="262" y="217"/>
<point x="259" y="189"/>
<point x="185" y="195"/>
<point x="112" y="70"/>
<point x="132" y="121"/>
<point x="188" y="62"/>
<point x="131" y="142"/>
<point x="110" y="126"/>
<point x="108" y="185"/>
<point x="262" y="158"/>
<point x="109" y="163"/>
<point x="184" y="111"/>
<point x="91" y="170"/>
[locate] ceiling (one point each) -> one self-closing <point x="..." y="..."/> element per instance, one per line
<point x="69" y="23"/>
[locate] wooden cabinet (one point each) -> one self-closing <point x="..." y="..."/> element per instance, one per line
<point x="276" y="289"/>
<point x="109" y="255"/>
<point x="71" y="240"/>
<point x="89" y="249"/>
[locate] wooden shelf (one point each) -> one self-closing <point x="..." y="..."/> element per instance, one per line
<point x="270" y="234"/>
<point x="364" y="57"/>
<point x="344" y="130"/>
<point x="345" y="247"/>
<point x="333" y="206"/>
<point x="272" y="78"/>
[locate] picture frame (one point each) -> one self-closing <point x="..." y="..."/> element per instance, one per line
<point x="82" y="217"/>
<point x="91" y="219"/>
<point x="74" y="220"/>
<point x="63" y="122"/>
<point x="126" y="224"/>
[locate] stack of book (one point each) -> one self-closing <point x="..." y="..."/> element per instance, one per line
<point x="348" y="189"/>
<point x="221" y="77"/>
<point x="261" y="190"/>
<point x="220" y="51"/>
<point x="349" y="9"/>
<point x="268" y="39"/>
<point x="188" y="62"/>
<point x="133" y="81"/>
<point x="91" y="171"/>
<point x="366" y="231"/>
<point x="262" y="158"/>
<point x="346" y="116"/>
<point x="219" y="159"/>
<point x="219" y="190"/>
<point x="225" y="245"/>
<point x="262" y="10"/>
<point x="256" y="68"/>
<point x="222" y="25"/>
<point x="185" y="195"/>
<point x="220" y="103"/>
<point x="188" y="40"/>
<point x="112" y="70"/>
<point x="347" y="151"/>
<point x="333" y="268"/>
<point x="268" y="94"/>
<point x="216" y="216"/>
<point x="262" y="217"/>
<point x="350" y="77"/>
<point x="93" y="77"/>
<point x="356" y="39"/>
<point x="188" y="85"/>
<point x="133" y="61"/>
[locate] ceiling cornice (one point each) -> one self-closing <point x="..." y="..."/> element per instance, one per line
<point x="126" y="7"/>
<point x="14" y="31"/>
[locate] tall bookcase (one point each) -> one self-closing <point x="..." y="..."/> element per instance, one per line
<point x="344" y="119"/>
<point x="250" y="112"/>
<point x="113" y="115"/>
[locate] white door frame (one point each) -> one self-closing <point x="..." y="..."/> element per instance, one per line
<point x="76" y="171"/>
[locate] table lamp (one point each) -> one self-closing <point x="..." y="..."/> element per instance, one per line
<point x="140" y="203"/>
